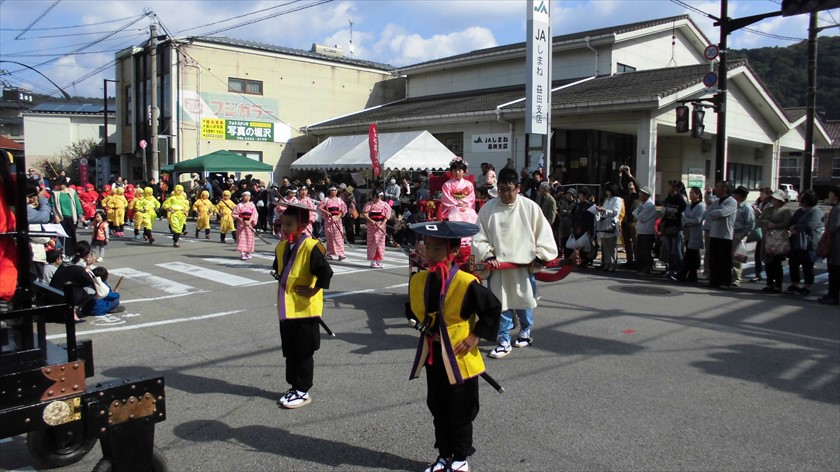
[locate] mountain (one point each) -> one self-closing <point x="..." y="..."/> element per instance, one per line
<point x="784" y="72"/>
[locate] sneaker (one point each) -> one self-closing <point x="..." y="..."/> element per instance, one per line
<point x="137" y="237"/>
<point x="439" y="465"/>
<point x="458" y="466"/>
<point x="500" y="351"/>
<point x="523" y="342"/>
<point x="248" y="255"/>
<point x="756" y="280"/>
<point x="297" y="399"/>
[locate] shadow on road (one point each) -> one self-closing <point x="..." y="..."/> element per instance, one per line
<point x="300" y="447"/>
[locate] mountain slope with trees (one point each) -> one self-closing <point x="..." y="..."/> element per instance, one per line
<point x="784" y="71"/>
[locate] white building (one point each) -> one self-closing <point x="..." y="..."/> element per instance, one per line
<point x="51" y="127"/>
<point x="613" y="98"/>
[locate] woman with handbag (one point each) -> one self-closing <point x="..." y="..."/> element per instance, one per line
<point x="806" y="228"/>
<point x="774" y="222"/>
<point x="829" y="247"/>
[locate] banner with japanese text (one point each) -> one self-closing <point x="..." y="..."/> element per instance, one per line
<point x="373" y="141"/>
<point x="238" y="130"/>
<point x="538" y="59"/>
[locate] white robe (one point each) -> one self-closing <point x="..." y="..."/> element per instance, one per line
<point x="517" y="233"/>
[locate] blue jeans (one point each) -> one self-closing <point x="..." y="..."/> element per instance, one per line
<point x="526" y="320"/>
<point x="675" y="251"/>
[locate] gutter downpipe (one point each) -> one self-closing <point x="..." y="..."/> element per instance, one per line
<point x="596" y="54"/>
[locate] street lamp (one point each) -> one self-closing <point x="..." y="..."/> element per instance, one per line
<point x="66" y="95"/>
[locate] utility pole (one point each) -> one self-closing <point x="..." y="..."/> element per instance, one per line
<point x="720" y="98"/>
<point x="810" y="105"/>
<point x="154" y="101"/>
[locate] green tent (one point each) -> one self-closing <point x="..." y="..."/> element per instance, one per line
<point x="219" y="161"/>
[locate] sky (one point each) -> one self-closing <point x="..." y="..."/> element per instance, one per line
<point x="73" y="42"/>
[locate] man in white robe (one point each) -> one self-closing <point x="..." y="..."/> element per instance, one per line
<point x="513" y="229"/>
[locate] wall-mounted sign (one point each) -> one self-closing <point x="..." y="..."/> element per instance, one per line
<point x="496" y="142"/>
<point x="241" y="130"/>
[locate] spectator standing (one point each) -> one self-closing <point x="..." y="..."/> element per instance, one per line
<point x="607" y="227"/>
<point x="67" y="209"/>
<point x="672" y="230"/>
<point x="833" y="260"/>
<point x="565" y="215"/>
<point x="548" y="205"/>
<point x="774" y="217"/>
<point x="645" y="215"/>
<point x="583" y="224"/>
<point x="744" y="223"/>
<point x="721" y="227"/>
<point x="692" y="219"/>
<point x="628" y="186"/>
<point x="806" y="228"/>
<point x="761" y="202"/>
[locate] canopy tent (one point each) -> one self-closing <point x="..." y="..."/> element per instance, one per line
<point x="219" y="161"/>
<point x="408" y="151"/>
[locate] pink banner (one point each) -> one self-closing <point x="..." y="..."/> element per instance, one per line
<point x="373" y="139"/>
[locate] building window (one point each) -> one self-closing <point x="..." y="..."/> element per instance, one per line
<point x="835" y="167"/>
<point x="622" y="68"/>
<point x="101" y="132"/>
<point x="789" y="167"/>
<point x="254" y="87"/>
<point x="744" y="174"/>
<point x="128" y="105"/>
<point x="14" y="130"/>
<point x="453" y="141"/>
<point x="255" y="155"/>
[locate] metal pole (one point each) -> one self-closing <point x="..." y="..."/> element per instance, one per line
<point x="720" y="98"/>
<point x="154" y="101"/>
<point x="810" y="104"/>
<point x="105" y="121"/>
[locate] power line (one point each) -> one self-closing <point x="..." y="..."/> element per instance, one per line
<point x="771" y="35"/>
<point x="36" y="20"/>
<point x="68" y="35"/>
<point x="59" y="54"/>
<point x="68" y="27"/>
<point x="267" y="17"/>
<point x="236" y="17"/>
<point x="133" y="35"/>
<point x="693" y="8"/>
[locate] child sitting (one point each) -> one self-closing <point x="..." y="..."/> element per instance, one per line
<point x="53" y="263"/>
<point x="103" y="306"/>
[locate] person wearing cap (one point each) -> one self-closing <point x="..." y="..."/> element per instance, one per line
<point x="744" y="223"/>
<point x="287" y="199"/>
<point x="129" y="197"/>
<point x="303" y="274"/>
<point x="333" y="209"/>
<point x="721" y="217"/>
<point x="645" y="215"/>
<point x="513" y="229"/>
<point x="176" y="207"/>
<point x="452" y="310"/>
<point x="775" y="217"/>
<point x="119" y="203"/>
<point x="245" y="216"/>
<point x="225" y="209"/>
<point x="376" y="212"/>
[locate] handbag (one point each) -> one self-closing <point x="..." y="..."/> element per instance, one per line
<point x="777" y="242"/>
<point x="824" y="245"/>
<point x="740" y="253"/>
<point x="755" y="235"/>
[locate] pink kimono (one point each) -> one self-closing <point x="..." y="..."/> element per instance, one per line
<point x="313" y="215"/>
<point x="379" y="212"/>
<point x="457" y="201"/>
<point x="332" y="224"/>
<point x="245" y="215"/>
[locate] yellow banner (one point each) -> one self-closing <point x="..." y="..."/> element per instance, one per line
<point x="212" y="128"/>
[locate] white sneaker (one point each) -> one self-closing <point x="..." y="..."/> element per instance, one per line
<point x="500" y="351"/>
<point x="459" y="466"/>
<point x="98" y="259"/>
<point x="248" y="255"/>
<point x="523" y="342"/>
<point x="439" y="465"/>
<point x="297" y="399"/>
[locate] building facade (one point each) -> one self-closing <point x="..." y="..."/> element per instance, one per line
<point x="614" y="94"/>
<point x="242" y="96"/>
<point x="52" y="127"/>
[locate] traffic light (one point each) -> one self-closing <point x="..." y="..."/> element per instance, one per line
<point x="697" y="127"/>
<point x="682" y="119"/>
<point x="799" y="7"/>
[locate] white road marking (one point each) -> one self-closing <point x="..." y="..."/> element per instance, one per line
<point x="153" y="281"/>
<point x="209" y="274"/>
<point x="239" y="263"/>
<point x="152" y="299"/>
<point x="212" y="315"/>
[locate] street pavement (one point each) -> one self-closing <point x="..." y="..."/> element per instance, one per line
<point x="624" y="374"/>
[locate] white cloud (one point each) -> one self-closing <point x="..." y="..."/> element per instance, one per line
<point x="398" y="47"/>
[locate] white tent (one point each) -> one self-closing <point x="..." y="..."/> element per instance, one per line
<point x="408" y="151"/>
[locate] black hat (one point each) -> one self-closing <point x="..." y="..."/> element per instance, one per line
<point x="291" y="189"/>
<point x="445" y="229"/>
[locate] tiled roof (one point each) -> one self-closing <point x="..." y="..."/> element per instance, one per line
<point x="290" y="51"/>
<point x="832" y="128"/>
<point x="632" y="87"/>
<point x="72" y="108"/>
<point x="8" y="144"/>
<point x="795" y="113"/>
<point x="619" y="29"/>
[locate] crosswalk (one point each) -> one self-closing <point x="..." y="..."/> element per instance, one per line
<point x="178" y="278"/>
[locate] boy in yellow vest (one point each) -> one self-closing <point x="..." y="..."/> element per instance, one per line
<point x="303" y="272"/>
<point x="451" y="316"/>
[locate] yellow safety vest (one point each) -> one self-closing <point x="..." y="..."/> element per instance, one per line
<point x="289" y="304"/>
<point x="463" y="366"/>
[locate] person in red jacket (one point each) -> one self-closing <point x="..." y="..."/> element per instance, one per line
<point x="88" y="197"/>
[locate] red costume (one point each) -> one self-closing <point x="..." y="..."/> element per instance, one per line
<point x="106" y="192"/>
<point x="129" y="196"/>
<point x="88" y="197"/>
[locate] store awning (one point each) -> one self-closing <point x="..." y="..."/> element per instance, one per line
<point x="407" y="151"/>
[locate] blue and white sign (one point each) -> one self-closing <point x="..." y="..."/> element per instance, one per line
<point x="538" y="54"/>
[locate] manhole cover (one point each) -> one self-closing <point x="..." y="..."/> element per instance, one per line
<point x="643" y="290"/>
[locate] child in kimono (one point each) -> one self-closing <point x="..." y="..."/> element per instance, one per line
<point x="377" y="213"/>
<point x="303" y="273"/>
<point x="245" y="215"/>
<point x="452" y="310"/>
<point x="333" y="209"/>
